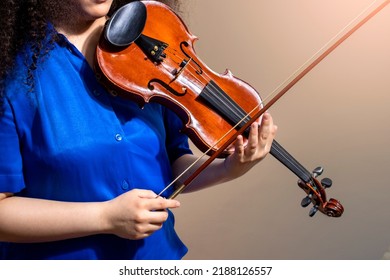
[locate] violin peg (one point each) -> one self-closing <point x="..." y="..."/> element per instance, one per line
<point x="306" y="201"/>
<point x="317" y="171"/>
<point x="326" y="183"/>
<point x="313" y="211"/>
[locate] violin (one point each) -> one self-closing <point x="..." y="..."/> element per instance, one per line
<point x="146" y="54"/>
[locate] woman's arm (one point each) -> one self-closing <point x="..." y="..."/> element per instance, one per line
<point x="131" y="215"/>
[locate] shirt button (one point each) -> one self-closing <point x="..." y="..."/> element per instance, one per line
<point x="125" y="185"/>
<point x="118" y="137"/>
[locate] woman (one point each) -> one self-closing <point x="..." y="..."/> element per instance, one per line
<point x="79" y="169"/>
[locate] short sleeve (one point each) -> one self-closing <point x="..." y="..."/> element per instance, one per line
<point x="177" y="142"/>
<point x="11" y="171"/>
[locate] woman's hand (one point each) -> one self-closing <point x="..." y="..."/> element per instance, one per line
<point x="247" y="154"/>
<point x="136" y="214"/>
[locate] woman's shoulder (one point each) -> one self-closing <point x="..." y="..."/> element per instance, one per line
<point x="16" y="79"/>
<point x="26" y="61"/>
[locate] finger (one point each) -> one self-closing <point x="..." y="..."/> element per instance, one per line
<point x="145" y="230"/>
<point x="265" y="128"/>
<point x="155" y="218"/>
<point x="153" y="228"/>
<point x="253" y="139"/>
<point x="161" y="203"/>
<point x="239" y="146"/>
<point x="267" y="133"/>
<point x="164" y="203"/>
<point x="158" y="217"/>
<point x="145" y="193"/>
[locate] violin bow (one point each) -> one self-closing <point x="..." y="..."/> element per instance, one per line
<point x="290" y="82"/>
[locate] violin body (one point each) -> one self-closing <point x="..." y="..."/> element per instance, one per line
<point x="146" y="54"/>
<point x="182" y="82"/>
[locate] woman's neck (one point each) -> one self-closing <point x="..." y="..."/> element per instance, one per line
<point x="84" y="37"/>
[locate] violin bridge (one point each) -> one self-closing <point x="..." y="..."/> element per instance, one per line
<point x="176" y="72"/>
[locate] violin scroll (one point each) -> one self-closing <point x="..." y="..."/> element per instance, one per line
<point x="316" y="196"/>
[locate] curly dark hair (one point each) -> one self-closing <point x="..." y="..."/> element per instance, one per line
<point x="25" y="21"/>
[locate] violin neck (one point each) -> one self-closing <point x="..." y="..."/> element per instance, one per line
<point x="290" y="162"/>
<point x="226" y="107"/>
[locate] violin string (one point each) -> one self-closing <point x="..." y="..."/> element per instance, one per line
<point x="175" y="54"/>
<point x="272" y="93"/>
<point x="283" y="155"/>
<point x="203" y="75"/>
<point x="290" y="162"/>
<point x="207" y="79"/>
<point x="211" y="147"/>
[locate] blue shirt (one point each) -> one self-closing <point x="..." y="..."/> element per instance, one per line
<point x="69" y="140"/>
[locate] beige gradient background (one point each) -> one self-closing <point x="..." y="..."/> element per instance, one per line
<point x="336" y="117"/>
